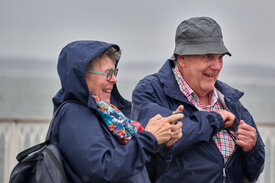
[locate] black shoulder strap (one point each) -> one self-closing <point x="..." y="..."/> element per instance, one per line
<point x="28" y="151"/>
<point x="49" y="133"/>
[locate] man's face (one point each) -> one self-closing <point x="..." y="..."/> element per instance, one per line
<point x="97" y="83"/>
<point x="200" y="71"/>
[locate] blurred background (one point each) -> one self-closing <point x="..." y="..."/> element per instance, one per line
<point x="33" y="32"/>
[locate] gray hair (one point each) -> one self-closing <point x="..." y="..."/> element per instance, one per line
<point x="111" y="52"/>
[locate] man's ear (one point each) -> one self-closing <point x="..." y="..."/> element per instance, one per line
<point x="180" y="61"/>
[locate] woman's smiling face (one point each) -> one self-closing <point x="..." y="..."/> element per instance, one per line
<point x="97" y="83"/>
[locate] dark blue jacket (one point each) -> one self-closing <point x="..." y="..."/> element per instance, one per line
<point x="90" y="151"/>
<point x="196" y="157"/>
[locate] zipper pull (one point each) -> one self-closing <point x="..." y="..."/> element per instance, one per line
<point x="224" y="175"/>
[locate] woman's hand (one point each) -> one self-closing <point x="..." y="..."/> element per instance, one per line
<point x="164" y="128"/>
<point x="176" y="129"/>
<point x="176" y="134"/>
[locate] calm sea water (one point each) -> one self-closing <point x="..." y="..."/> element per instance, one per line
<point x="27" y="87"/>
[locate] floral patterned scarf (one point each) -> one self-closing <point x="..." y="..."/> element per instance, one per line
<point x="122" y="127"/>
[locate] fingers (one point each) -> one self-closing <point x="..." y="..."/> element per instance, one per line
<point x="228" y="123"/>
<point x="163" y="129"/>
<point x="242" y="122"/>
<point x="246" y="136"/>
<point x="174" y="118"/>
<point x="246" y="144"/>
<point x="163" y="136"/>
<point x="175" y="135"/>
<point x="156" y="117"/>
<point x="244" y="128"/>
<point x="227" y="117"/>
<point x="180" y="108"/>
<point x="176" y="127"/>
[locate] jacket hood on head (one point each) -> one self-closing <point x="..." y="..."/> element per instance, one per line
<point x="72" y="63"/>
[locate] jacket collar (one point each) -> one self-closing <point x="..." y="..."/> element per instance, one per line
<point x="230" y="94"/>
<point x="169" y="83"/>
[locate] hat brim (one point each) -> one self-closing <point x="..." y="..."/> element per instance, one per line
<point x="200" y="49"/>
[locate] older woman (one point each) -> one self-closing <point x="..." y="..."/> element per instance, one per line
<point x="97" y="140"/>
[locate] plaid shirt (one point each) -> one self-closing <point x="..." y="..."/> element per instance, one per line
<point x="223" y="140"/>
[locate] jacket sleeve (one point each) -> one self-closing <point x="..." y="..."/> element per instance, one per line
<point x="148" y="100"/>
<point x="253" y="160"/>
<point x="94" y="153"/>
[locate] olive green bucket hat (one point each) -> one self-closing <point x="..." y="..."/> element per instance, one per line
<point x="199" y="36"/>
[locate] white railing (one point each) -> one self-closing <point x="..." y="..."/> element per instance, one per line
<point x="267" y="133"/>
<point x="17" y="134"/>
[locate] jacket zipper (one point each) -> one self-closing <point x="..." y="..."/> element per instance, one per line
<point x="224" y="168"/>
<point x="231" y="135"/>
<point x="224" y="175"/>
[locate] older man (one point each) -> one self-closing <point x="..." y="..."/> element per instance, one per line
<point x="212" y="148"/>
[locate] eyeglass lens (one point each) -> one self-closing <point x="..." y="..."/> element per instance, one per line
<point x="110" y="73"/>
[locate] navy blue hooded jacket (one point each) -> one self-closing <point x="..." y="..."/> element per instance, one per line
<point x="91" y="153"/>
<point x="196" y="157"/>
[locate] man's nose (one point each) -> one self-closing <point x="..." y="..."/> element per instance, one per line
<point x="217" y="64"/>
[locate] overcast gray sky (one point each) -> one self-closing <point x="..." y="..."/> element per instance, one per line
<point x="144" y="29"/>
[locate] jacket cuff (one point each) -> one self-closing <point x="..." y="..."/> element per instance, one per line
<point x="218" y="120"/>
<point x="162" y="152"/>
<point x="153" y="140"/>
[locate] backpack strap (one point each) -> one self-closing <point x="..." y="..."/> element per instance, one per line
<point x="36" y="147"/>
<point x="30" y="150"/>
<point x="49" y="133"/>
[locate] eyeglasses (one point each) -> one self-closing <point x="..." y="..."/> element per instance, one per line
<point x="108" y="75"/>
